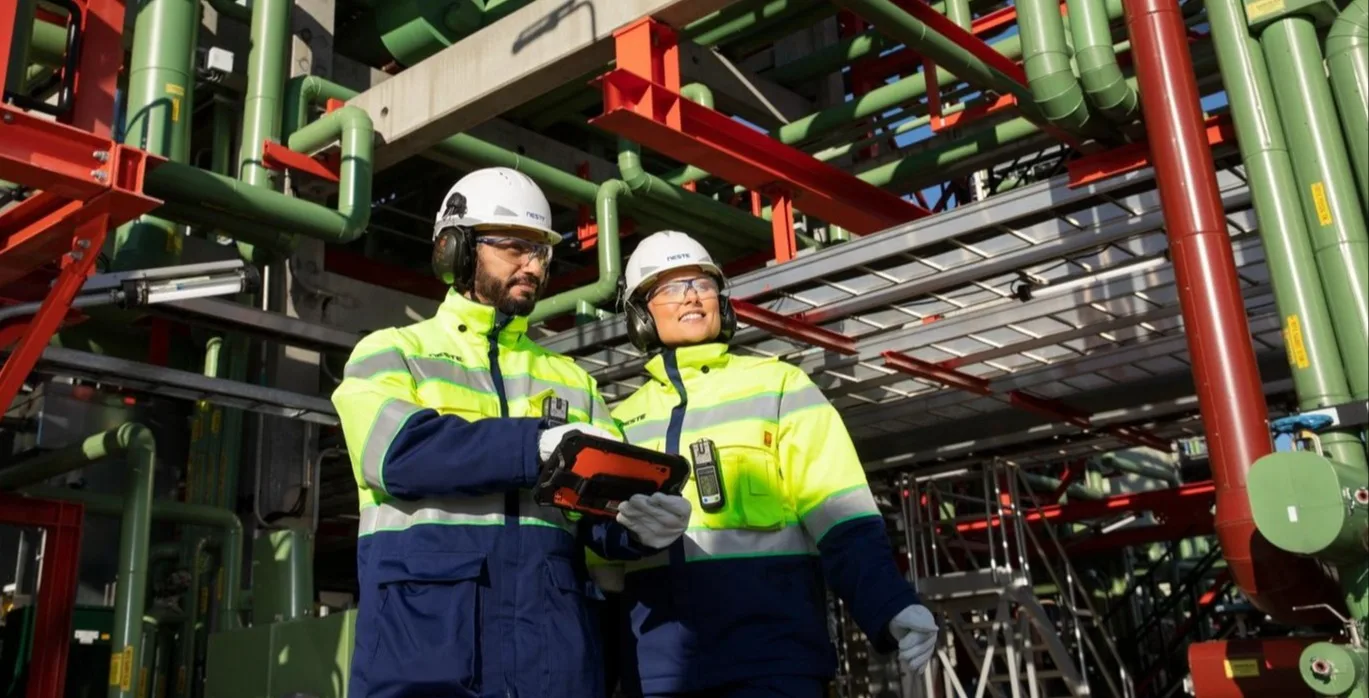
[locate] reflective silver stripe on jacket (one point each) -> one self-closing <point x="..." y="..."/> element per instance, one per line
<point x="389" y="421"/>
<point x="771" y="406"/>
<point x="704" y="544"/>
<point x="488" y="510"/>
<point x="477" y="378"/>
<point x="839" y="507"/>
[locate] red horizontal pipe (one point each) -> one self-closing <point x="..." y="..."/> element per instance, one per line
<point x="1263" y="668"/>
<point x="1194" y="499"/>
<point x="1230" y="397"/>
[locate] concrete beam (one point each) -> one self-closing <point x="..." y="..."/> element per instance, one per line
<point x="740" y="91"/>
<point x="542" y="45"/>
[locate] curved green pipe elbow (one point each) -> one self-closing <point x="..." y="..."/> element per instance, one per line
<point x="606" y="214"/>
<point x="701" y="94"/>
<point x="1347" y="60"/>
<point x="1046" y="58"/>
<point x="1104" y="84"/>
<point x="302" y="91"/>
<point x="351" y="127"/>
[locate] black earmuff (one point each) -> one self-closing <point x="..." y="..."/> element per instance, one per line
<point x="453" y="258"/>
<point x="728" y="315"/>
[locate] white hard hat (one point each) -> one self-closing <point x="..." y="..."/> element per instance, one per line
<point x="662" y="252"/>
<point x="496" y="197"/>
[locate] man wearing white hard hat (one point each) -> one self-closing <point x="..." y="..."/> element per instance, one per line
<point x="468" y="586"/>
<point x="735" y="608"/>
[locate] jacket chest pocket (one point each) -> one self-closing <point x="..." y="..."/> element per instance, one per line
<point x="753" y="488"/>
<point x="430" y="627"/>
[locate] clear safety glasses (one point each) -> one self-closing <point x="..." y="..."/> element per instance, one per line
<point x="517" y="250"/>
<point x="676" y="291"/>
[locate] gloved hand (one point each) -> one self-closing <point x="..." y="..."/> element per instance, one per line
<point x="656" y="520"/>
<point x="915" y="629"/>
<point x="551" y="438"/>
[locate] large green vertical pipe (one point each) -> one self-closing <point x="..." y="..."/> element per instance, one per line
<point x="1326" y="187"/>
<point x="19" y="57"/>
<point x="609" y="254"/>
<point x="137" y="444"/>
<point x="195" y="613"/>
<point x="270" y="32"/>
<point x="1347" y="60"/>
<point x="1104" y="84"/>
<point x="1046" y="58"/>
<point x="160" y="89"/>
<point x="1319" y="379"/>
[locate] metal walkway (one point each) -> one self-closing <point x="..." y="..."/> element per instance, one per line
<point x="1050" y="291"/>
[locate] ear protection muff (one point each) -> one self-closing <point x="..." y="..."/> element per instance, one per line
<point x="641" y="327"/>
<point x="453" y="258"/>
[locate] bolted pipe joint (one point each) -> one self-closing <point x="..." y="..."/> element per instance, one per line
<point x="1336" y="670"/>
<point x="1309" y="505"/>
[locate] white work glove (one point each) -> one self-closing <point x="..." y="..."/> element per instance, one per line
<point x="656" y="520"/>
<point x="915" y="629"/>
<point x="551" y="438"/>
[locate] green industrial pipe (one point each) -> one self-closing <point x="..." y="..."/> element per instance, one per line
<point x="700" y="93"/>
<point x="1046" y="59"/>
<point x="195" y="612"/>
<point x="609" y="254"/>
<point x="262" y="215"/>
<point x="262" y="103"/>
<point x="1347" y="60"/>
<point x="1325" y="186"/>
<point x="137" y="444"/>
<point x="762" y="37"/>
<point x="231" y="9"/>
<point x="1319" y="377"/>
<point x="1311" y="505"/>
<point x="1075" y="492"/>
<point x="732" y="22"/>
<point x="305" y="90"/>
<point x="47" y="44"/>
<point x="877" y="101"/>
<point x="1104" y="84"/>
<point x="1121" y="463"/>
<point x="180" y="513"/>
<point x="929" y="163"/>
<point x="829" y="59"/>
<point x="1336" y="670"/>
<point x="895" y="23"/>
<point x="161" y="88"/>
<point x="18" y="57"/>
<point x="408" y="31"/>
<point x="221" y="149"/>
<point x="688" y="203"/>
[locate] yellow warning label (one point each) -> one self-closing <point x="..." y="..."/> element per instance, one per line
<point x="142" y="682"/>
<point x="126" y="674"/>
<point x="1241" y="668"/>
<point x="1260" y="8"/>
<point x="174" y="89"/>
<point x="175" y="108"/>
<point x="115" y="670"/>
<point x="1292" y="338"/>
<point x="1319" y="199"/>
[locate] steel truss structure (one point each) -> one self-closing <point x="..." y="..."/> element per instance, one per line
<point x="1054" y="299"/>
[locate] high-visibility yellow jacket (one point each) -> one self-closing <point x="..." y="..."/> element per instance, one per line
<point x="741" y="595"/>
<point x="468" y="587"/>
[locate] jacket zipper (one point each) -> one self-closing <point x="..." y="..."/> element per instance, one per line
<point x="677" y="413"/>
<point x="510" y="506"/>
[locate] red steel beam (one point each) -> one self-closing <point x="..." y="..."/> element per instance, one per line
<point x="1179" y="502"/>
<point x="97" y="73"/>
<point x="1200" y="524"/>
<point x="786" y="326"/>
<point x="1053" y="409"/>
<point x="642" y="108"/>
<point x="1230" y="397"/>
<point x="57" y="586"/>
<point x="278" y="157"/>
<point x="1134" y="156"/>
<point x="940" y="24"/>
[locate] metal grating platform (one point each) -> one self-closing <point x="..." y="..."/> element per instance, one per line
<point x="1102" y="317"/>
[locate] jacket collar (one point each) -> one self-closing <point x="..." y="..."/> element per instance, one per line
<point x="691" y="360"/>
<point x="467" y="316"/>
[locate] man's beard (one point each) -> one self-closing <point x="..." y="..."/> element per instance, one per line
<point x="499" y="294"/>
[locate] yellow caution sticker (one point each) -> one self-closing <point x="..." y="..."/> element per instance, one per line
<point x="1292" y="339"/>
<point x="1241" y="668"/>
<point x="174" y="89"/>
<point x="115" y="669"/>
<point x="1319" y="200"/>
<point x="1260" y="8"/>
<point x="126" y="675"/>
<point x="142" y="682"/>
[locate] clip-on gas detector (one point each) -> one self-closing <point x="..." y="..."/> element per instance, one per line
<point x="593" y="475"/>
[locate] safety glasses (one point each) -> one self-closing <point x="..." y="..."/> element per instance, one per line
<point x="676" y="291"/>
<point x="517" y="250"/>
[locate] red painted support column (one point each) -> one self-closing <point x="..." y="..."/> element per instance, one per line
<point x="1230" y="398"/>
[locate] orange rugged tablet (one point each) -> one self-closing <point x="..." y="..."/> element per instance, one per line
<point x="591" y="474"/>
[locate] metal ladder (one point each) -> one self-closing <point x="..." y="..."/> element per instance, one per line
<point x="1002" y="639"/>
